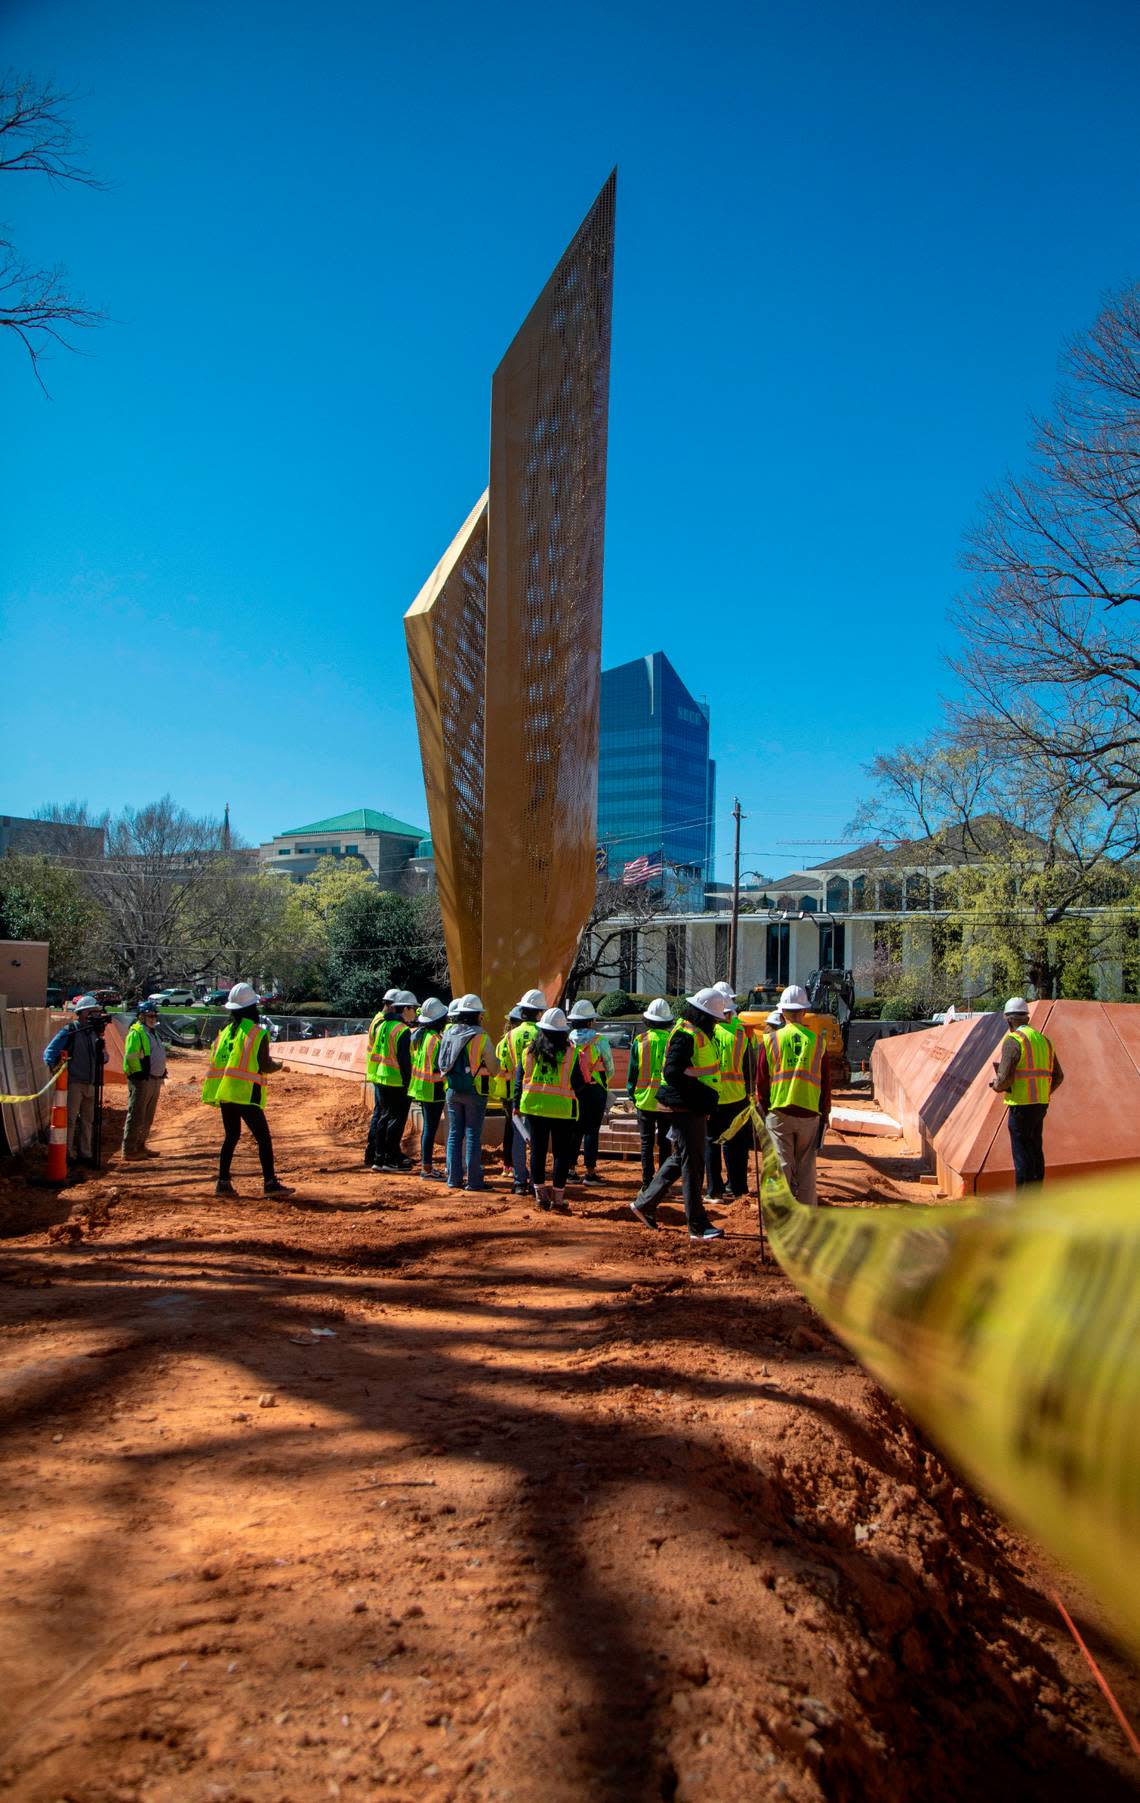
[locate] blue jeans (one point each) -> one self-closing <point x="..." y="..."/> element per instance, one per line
<point x="464" y="1138"/>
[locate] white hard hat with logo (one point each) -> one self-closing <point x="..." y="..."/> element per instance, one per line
<point x="242" y="995"/>
<point x="533" y="998"/>
<point x="583" y="1010"/>
<point x="84" y="1003"/>
<point x="659" y="1012"/>
<point x="709" y="1001"/>
<point x="1016" y="1004"/>
<point x="794" y="997"/>
<point x="554" y="1021"/>
<point x="433" y="1009"/>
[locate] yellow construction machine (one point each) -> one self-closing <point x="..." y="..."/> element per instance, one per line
<point x="831" y="994"/>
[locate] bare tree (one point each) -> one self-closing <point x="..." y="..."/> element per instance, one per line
<point x="38" y="138"/>
<point x="616" y="911"/>
<point x="1050" y="624"/>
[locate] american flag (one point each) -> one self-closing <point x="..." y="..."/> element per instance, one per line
<point x="642" y="869"/>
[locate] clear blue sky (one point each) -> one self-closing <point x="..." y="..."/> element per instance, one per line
<point x="850" y="243"/>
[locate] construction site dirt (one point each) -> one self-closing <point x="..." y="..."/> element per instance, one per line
<point x="391" y="1491"/>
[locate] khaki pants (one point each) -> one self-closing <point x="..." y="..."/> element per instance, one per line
<point x="142" y="1100"/>
<point x="80" y="1118"/>
<point x="795" y="1136"/>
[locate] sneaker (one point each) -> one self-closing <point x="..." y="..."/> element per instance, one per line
<point x="590" y="1177"/>
<point x="645" y="1215"/>
<point x="543" y="1199"/>
<point x="519" y="1189"/>
<point x="276" y="1188"/>
<point x="714" y="1195"/>
<point x="706" y="1233"/>
<point x="147" y="1153"/>
<point x="403" y="1164"/>
<point x="223" y="1187"/>
<point x="388" y="1169"/>
<point x="432" y="1176"/>
<point x="559" y="1203"/>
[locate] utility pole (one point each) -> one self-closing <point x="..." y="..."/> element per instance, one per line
<point x="734" y="923"/>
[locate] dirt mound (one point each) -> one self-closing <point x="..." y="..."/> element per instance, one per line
<point x="389" y="1491"/>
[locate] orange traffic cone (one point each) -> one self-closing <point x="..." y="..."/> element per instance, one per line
<point x="57" y="1134"/>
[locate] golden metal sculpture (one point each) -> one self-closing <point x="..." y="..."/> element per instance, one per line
<point x="504" y="642"/>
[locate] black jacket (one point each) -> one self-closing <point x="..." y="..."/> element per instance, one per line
<point x="679" y="1092"/>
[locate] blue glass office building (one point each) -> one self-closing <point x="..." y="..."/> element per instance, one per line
<point x="656" y="781"/>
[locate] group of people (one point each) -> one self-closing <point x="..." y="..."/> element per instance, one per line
<point x="690" y="1080"/>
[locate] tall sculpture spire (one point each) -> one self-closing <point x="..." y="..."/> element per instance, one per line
<point x="504" y="642"/>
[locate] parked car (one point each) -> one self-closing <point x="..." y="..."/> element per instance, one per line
<point x="179" y="998"/>
<point x="213" y="998"/>
<point x="108" y="998"/>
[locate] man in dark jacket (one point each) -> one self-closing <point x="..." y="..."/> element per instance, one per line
<point x="687" y="1096"/>
<point x="81" y="1042"/>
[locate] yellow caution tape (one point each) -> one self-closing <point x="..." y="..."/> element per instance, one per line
<point x="51" y="1082"/>
<point x="1011" y="1332"/>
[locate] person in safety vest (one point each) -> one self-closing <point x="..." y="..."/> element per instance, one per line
<point x="467" y="1060"/>
<point x="81" y="1043"/>
<point x="144" y="1066"/>
<point x="531" y="1007"/>
<point x="503" y="1089"/>
<point x="734" y="1085"/>
<point x="793" y="1087"/>
<point x="235" y="1083"/>
<point x="646" y="1067"/>
<point x="687" y="1094"/>
<point x="388" y="1067"/>
<point x="1026" y="1074"/>
<point x="550" y="1084"/>
<point x="598" y="1061"/>
<point x="427" y="1082"/>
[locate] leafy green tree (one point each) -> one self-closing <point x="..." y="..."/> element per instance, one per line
<point x="40" y="899"/>
<point x="376" y="941"/>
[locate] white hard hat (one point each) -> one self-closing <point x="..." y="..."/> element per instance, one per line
<point x="659" y="1011"/>
<point x="726" y="989"/>
<point x="533" y="998"/>
<point x="555" y="1021"/>
<point x="710" y="1001"/>
<point x="390" y="996"/>
<point x="1016" y="1004"/>
<point x="452" y="1010"/>
<point x="794" y="997"/>
<point x="433" y="1009"/>
<point x="403" y="998"/>
<point x="242" y="995"/>
<point x="83" y="1002"/>
<point x="583" y="1010"/>
<point x="470" y="1004"/>
<point x="775" y="1019"/>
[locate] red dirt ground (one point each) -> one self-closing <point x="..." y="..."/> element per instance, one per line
<point x="391" y="1492"/>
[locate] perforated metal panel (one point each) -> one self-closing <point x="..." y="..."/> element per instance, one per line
<point x="445" y="628"/>
<point x="518" y="598"/>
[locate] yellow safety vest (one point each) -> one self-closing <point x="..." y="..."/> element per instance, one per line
<point x="706" y="1060"/>
<point x="383" y="1066"/>
<point x="427" y="1081"/>
<point x="136" y="1047"/>
<point x="547" y="1089"/>
<point x="233" y="1075"/>
<point x="796" y="1057"/>
<point x="650" y="1064"/>
<point x="731" y="1042"/>
<point x="1033" y="1076"/>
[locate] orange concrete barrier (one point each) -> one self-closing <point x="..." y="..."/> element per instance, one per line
<point x="342" y="1057"/>
<point x="936" y="1085"/>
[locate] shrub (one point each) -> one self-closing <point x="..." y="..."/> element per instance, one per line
<point x="618" y="1001"/>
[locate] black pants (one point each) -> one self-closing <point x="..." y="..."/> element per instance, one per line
<point x="735" y="1150"/>
<point x="1026" y="1126"/>
<point x="561" y="1137"/>
<point x="688" y="1134"/>
<point x="591" y="1113"/>
<point x="233" y="1114"/>
<point x="432" y="1113"/>
<point x="508" y="1129"/>
<point x="653" y="1128"/>
<point x="393" y="1120"/>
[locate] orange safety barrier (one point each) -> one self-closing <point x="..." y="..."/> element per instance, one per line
<point x="936" y="1084"/>
<point x="57" y="1133"/>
